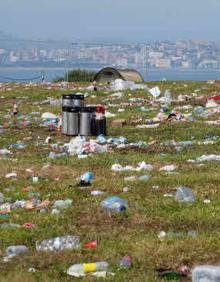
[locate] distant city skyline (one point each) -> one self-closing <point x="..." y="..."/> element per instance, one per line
<point x="111" y="21"/>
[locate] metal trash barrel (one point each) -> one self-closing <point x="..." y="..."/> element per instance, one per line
<point x="73" y="100"/>
<point x="85" y="120"/>
<point x="73" y="121"/>
<point x="64" y="120"/>
<point x="67" y="100"/>
<point x="77" y="100"/>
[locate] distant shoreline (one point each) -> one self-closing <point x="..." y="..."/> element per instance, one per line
<point x="19" y="73"/>
<point x="2" y="68"/>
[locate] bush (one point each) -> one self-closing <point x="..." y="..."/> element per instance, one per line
<point x="77" y="76"/>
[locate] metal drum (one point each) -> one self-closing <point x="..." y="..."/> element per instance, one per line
<point x="73" y="121"/>
<point x="85" y="121"/>
<point x="66" y="100"/>
<point x="64" y="120"/>
<point x="77" y="100"/>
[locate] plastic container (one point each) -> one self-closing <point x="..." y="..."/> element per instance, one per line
<point x="185" y="195"/>
<point x="86" y="178"/>
<point x="78" y="270"/>
<point x="206" y="273"/>
<point x="125" y="262"/>
<point x="77" y="100"/>
<point x="16" y="250"/>
<point x="59" y="244"/>
<point x="63" y="204"/>
<point x="114" y="204"/>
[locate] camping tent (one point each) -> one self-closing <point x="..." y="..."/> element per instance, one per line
<point x="110" y="74"/>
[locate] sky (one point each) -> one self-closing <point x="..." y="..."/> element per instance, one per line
<point x="111" y="20"/>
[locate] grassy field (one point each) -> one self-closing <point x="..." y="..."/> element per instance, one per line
<point x="134" y="233"/>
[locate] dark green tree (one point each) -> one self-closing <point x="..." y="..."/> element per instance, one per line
<point x="77" y="76"/>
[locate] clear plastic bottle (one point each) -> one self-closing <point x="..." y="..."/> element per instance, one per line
<point x="16" y="250"/>
<point x="83" y="268"/>
<point x="114" y="204"/>
<point x="63" y="204"/>
<point x="59" y="243"/>
<point x="185" y="195"/>
<point x="206" y="273"/>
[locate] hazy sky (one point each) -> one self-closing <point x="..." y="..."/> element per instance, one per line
<point x="125" y="20"/>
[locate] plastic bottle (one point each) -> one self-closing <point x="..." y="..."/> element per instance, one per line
<point x="114" y="204"/>
<point x="63" y="204"/>
<point x="83" y="268"/>
<point x="16" y="250"/>
<point x="90" y="245"/>
<point x="185" y="195"/>
<point x="101" y="139"/>
<point x="206" y="273"/>
<point x="125" y="262"/>
<point x="144" y="177"/>
<point x="59" y="243"/>
<point x="86" y="178"/>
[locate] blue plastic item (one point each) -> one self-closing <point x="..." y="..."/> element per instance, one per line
<point x="114" y="204"/>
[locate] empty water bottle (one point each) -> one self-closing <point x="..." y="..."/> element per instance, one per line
<point x="86" y="178"/>
<point x="206" y="273"/>
<point x="185" y="195"/>
<point x="59" y="244"/>
<point x="114" y="204"/>
<point x="63" y="204"/>
<point x="83" y="268"/>
<point x="101" y="139"/>
<point x="16" y="250"/>
<point x="125" y="262"/>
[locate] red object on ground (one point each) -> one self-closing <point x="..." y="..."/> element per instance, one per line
<point x="25" y="189"/>
<point x="90" y="245"/>
<point x="216" y="97"/>
<point x="28" y="225"/>
<point x="184" y="270"/>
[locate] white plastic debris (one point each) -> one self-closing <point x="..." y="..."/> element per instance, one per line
<point x="4" y="152"/>
<point x="48" y="115"/>
<point x="11" y="175"/>
<point x="155" y="91"/>
<point x="97" y="193"/>
<point x="109" y="115"/>
<point x="168" y="168"/>
<point x="211" y="104"/>
<point x="208" y="158"/>
<point x="140" y="166"/>
<point x="148" y="125"/>
<point x="120" y="84"/>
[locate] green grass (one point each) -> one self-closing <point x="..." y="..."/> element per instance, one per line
<point x="134" y="233"/>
